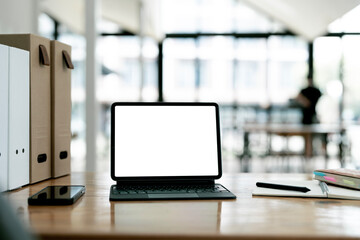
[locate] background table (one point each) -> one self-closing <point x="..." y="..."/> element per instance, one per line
<point x="247" y="217"/>
<point x="308" y="132"/>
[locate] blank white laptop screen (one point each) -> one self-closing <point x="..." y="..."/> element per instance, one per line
<point x="165" y="141"/>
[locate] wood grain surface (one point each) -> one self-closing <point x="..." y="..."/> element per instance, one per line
<point x="247" y="217"/>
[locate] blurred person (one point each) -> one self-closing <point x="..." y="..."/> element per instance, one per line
<point x="307" y="99"/>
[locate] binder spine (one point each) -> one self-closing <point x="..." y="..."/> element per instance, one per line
<point x="40" y="114"/>
<point x="61" y="66"/>
<point x="4" y="115"/>
<point x="19" y="112"/>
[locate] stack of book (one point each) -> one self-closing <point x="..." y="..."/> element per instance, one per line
<point x="341" y="177"/>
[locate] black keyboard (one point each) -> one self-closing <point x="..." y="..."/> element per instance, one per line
<point x="167" y="189"/>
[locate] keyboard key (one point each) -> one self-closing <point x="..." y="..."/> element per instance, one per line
<point x="154" y="191"/>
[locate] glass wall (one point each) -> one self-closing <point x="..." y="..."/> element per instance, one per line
<point x="235" y="70"/>
<point x="235" y="56"/>
<point x="327" y="59"/>
<point x="121" y="65"/>
<point x="288" y="68"/>
<point x="179" y="70"/>
<point x="351" y="75"/>
<point x="251" y="70"/>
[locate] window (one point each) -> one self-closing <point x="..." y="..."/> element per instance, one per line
<point x="287" y="67"/>
<point x="327" y="58"/>
<point x="179" y="71"/>
<point x="251" y="71"/>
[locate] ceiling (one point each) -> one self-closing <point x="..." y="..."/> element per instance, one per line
<point x="126" y="13"/>
<point x="307" y="18"/>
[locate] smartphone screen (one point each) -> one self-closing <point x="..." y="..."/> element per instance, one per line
<point x="57" y="195"/>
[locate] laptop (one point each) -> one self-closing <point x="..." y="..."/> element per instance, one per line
<point x="164" y="151"/>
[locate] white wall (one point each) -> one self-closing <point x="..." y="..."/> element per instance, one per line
<point x="18" y="16"/>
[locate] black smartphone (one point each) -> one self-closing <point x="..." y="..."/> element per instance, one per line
<point x="57" y="195"/>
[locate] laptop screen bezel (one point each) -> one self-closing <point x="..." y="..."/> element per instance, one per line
<point x="163" y="178"/>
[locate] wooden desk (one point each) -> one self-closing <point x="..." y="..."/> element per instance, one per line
<point x="247" y="217"/>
